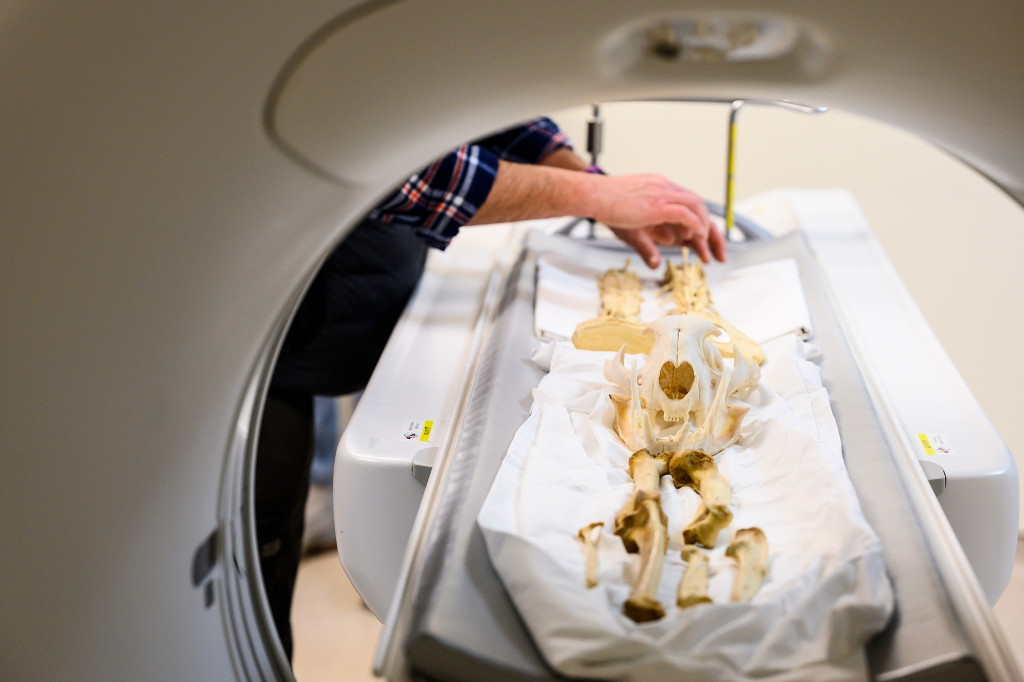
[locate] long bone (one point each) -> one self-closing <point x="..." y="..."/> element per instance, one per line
<point x="705" y="527"/>
<point x="643" y="527"/>
<point x="749" y="548"/>
<point x="698" y="471"/>
<point x="589" y="538"/>
<point x="693" y="586"/>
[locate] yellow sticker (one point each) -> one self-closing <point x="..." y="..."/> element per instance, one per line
<point x="936" y="444"/>
<point x="427" y="428"/>
<point x="926" y="444"/>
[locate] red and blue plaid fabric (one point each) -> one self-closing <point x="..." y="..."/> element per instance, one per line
<point x="445" y="195"/>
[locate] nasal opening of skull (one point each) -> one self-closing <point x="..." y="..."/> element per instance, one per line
<point x="676" y="380"/>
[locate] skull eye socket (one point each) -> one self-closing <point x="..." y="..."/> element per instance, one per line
<point x="676" y="381"/>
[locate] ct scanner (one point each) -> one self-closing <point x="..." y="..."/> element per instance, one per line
<point x="174" y="173"/>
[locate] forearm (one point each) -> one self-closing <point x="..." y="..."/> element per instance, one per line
<point x="523" y="192"/>
<point x="565" y="157"/>
<point x="643" y="210"/>
<point x="529" y="192"/>
<point x="526" y="192"/>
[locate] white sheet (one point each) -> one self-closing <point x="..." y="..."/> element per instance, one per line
<point x="767" y="298"/>
<point x="826" y="592"/>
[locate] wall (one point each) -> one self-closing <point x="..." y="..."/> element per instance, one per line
<point x="955" y="238"/>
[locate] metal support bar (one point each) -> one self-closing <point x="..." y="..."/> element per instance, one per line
<point x="730" y="167"/>
<point x="730" y="152"/>
<point x="595" y="140"/>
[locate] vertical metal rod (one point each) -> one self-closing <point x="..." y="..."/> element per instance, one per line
<point x="730" y="168"/>
<point x="730" y="158"/>
<point x="595" y="135"/>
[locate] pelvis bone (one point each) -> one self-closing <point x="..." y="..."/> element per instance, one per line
<point x="679" y="399"/>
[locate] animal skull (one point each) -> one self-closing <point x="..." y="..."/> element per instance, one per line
<point x="679" y="375"/>
<point x="679" y="399"/>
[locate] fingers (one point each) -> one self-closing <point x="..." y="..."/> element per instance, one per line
<point x="642" y="243"/>
<point x="717" y="241"/>
<point x="696" y="230"/>
<point x="667" y="235"/>
<point x="703" y="238"/>
<point x="678" y="224"/>
<point x="645" y="242"/>
<point x="701" y="247"/>
<point x="649" y="210"/>
<point x="694" y="203"/>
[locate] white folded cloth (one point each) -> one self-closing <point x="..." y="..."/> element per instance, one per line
<point x="826" y="592"/>
<point x="764" y="301"/>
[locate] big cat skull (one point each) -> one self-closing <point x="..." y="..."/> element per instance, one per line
<point x="679" y="399"/>
<point x="677" y="380"/>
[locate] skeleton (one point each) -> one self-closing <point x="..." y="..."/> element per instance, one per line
<point x="686" y="287"/>
<point x="750" y="550"/>
<point x="589" y="538"/>
<point x="674" y="414"/>
<point x="643" y="527"/>
<point x="693" y="587"/>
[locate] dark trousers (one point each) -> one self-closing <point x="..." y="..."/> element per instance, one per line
<point x="331" y="348"/>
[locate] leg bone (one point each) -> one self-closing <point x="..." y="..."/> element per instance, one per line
<point x="750" y="550"/>
<point x="589" y="538"/>
<point x="693" y="588"/>
<point x="699" y="471"/>
<point x="706" y="526"/>
<point x="643" y="528"/>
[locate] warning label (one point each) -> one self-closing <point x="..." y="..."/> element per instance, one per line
<point x="419" y="430"/>
<point x="936" y="444"/>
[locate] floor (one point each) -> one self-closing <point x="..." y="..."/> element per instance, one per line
<point x="336" y="635"/>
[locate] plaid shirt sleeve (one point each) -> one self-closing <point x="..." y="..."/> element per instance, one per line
<point x="444" y="196"/>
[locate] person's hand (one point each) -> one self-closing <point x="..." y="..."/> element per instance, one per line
<point x="645" y="241"/>
<point x="646" y="211"/>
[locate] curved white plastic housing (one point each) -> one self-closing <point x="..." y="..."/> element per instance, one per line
<point x="913" y="64"/>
